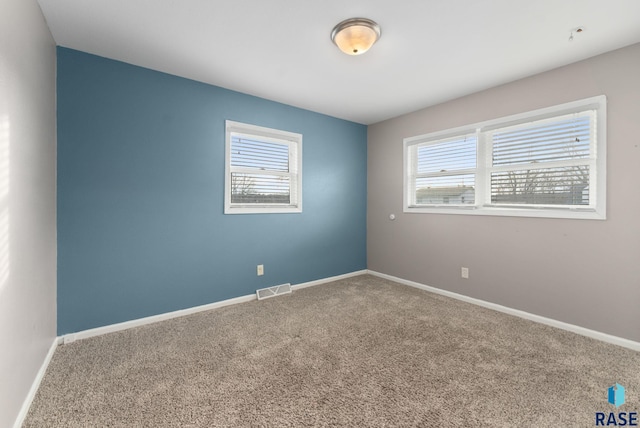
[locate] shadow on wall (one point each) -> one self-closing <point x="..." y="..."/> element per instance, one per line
<point x="4" y="201"/>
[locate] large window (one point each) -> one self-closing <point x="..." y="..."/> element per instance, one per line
<point x="262" y="170"/>
<point x="546" y="163"/>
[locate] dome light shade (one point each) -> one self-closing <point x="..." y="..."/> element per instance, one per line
<point x="356" y="35"/>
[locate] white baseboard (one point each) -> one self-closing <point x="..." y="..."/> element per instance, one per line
<point x="330" y="279"/>
<point x="111" y="328"/>
<point x="35" y="385"/>
<point x="604" y="337"/>
<point x="84" y="334"/>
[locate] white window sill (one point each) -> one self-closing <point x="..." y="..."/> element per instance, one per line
<point x="262" y="210"/>
<point x="580" y="214"/>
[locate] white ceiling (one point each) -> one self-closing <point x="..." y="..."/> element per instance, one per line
<point x="430" y="51"/>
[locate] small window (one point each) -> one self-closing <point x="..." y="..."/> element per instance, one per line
<point x="546" y="163"/>
<point x="443" y="171"/>
<point x="263" y="170"/>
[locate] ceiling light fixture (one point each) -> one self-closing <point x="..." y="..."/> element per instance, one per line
<point x="356" y="35"/>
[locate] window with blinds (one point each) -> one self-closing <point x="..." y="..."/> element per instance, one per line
<point x="262" y="170"/>
<point x="443" y="171"/>
<point x="546" y="163"/>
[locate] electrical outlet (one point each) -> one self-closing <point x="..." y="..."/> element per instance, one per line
<point x="260" y="270"/>
<point x="464" y="272"/>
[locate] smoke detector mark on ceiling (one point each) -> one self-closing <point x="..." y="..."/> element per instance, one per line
<point x="575" y="31"/>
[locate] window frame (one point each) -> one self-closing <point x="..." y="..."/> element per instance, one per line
<point x="294" y="143"/>
<point x="434" y="139"/>
<point x="483" y="206"/>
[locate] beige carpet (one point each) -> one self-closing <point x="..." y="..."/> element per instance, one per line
<point x="354" y="353"/>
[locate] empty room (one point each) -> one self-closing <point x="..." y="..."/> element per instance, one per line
<point x="283" y="213"/>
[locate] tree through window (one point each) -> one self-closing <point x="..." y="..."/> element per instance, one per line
<point x="262" y="170"/>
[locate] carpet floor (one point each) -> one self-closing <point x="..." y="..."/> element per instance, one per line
<point x="360" y="352"/>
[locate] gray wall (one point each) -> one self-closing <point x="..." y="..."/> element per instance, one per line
<point x="27" y="201"/>
<point x="583" y="272"/>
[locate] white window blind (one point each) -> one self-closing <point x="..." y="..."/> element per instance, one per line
<point x="260" y="171"/>
<point x="444" y="171"/>
<point x="546" y="163"/>
<point x="263" y="170"/>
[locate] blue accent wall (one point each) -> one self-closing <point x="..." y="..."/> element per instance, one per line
<point x="141" y="229"/>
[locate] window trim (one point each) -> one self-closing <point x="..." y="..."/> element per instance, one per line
<point x="294" y="142"/>
<point x="484" y="167"/>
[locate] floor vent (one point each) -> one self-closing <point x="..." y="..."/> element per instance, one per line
<point x="276" y="290"/>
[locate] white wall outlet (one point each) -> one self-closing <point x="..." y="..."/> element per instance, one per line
<point x="464" y="272"/>
<point x="260" y="270"/>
